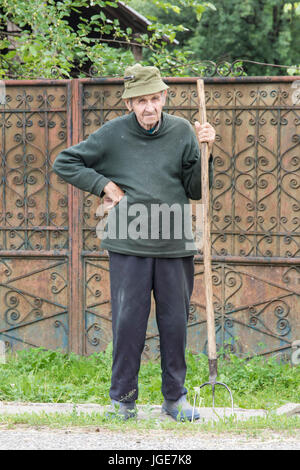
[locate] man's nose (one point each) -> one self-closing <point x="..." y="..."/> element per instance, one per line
<point x="149" y="106"/>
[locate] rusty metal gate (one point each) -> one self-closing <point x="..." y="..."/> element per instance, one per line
<point x="54" y="277"/>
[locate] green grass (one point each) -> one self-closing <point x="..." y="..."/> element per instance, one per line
<point x="37" y="375"/>
<point x="254" y="427"/>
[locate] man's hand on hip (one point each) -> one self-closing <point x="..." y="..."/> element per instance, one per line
<point x="113" y="195"/>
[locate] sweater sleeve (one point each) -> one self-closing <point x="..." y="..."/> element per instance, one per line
<point x="75" y="165"/>
<point x="191" y="170"/>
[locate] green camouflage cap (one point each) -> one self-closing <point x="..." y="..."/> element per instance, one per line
<point x="139" y="80"/>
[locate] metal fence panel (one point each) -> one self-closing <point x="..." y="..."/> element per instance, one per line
<point x="49" y="246"/>
<point x="34" y="233"/>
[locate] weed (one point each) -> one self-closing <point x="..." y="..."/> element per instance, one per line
<point x="38" y="375"/>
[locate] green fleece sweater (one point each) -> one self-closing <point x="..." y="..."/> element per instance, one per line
<point x="158" y="173"/>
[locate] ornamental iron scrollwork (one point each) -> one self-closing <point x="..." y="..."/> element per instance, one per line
<point x="33" y="303"/>
<point x="33" y="200"/>
<point x="255" y="195"/>
<point x="255" y="203"/>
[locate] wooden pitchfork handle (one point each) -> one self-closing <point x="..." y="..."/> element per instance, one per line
<point x="211" y="334"/>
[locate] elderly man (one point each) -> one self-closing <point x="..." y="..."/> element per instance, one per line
<point x="150" y="158"/>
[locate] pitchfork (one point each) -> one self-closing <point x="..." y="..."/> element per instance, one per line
<point x="211" y="334"/>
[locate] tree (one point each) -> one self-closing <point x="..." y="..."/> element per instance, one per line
<point x="257" y="30"/>
<point x="47" y="46"/>
<point x="265" y="31"/>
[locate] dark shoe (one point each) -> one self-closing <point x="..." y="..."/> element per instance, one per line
<point x="122" y="410"/>
<point x="180" y="409"/>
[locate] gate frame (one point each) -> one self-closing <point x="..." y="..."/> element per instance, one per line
<point x="75" y="253"/>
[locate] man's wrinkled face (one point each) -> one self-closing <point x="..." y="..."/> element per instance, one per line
<point x="147" y="108"/>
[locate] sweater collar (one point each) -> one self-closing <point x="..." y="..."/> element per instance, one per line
<point x="151" y="132"/>
<point x="155" y="128"/>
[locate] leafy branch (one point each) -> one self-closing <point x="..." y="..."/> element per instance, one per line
<point x="47" y="46"/>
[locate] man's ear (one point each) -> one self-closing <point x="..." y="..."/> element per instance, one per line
<point x="128" y="104"/>
<point x="164" y="96"/>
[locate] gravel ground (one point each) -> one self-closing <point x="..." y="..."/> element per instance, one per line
<point x="102" y="439"/>
<point x="24" y="437"/>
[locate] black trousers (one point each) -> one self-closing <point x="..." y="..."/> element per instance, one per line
<point x="132" y="278"/>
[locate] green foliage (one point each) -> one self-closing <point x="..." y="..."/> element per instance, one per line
<point x="49" y="47"/>
<point x="39" y="375"/>
<point x="255" y="383"/>
<point x="195" y="6"/>
<point x="265" y="31"/>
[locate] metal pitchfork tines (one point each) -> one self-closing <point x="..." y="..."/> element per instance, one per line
<point x="212" y="364"/>
<point x="211" y="334"/>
